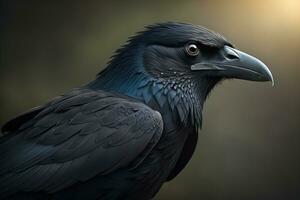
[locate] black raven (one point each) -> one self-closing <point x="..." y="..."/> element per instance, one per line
<point x="131" y="129"/>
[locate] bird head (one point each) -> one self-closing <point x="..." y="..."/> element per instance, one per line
<point x="183" y="60"/>
<point x="172" y="49"/>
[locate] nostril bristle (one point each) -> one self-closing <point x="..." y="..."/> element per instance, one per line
<point x="231" y="56"/>
<point x="230" y="53"/>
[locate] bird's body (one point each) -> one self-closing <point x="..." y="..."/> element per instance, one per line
<point x="120" y="136"/>
<point x="143" y="175"/>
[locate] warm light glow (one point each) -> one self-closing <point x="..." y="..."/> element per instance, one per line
<point x="289" y="10"/>
<point x="277" y="15"/>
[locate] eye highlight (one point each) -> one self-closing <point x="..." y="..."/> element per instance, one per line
<point x="192" y="49"/>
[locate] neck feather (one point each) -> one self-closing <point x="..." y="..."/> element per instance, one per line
<point x="183" y="96"/>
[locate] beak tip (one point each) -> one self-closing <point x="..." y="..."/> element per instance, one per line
<point x="269" y="75"/>
<point x="273" y="83"/>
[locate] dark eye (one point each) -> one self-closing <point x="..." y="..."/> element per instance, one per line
<point x="192" y="49"/>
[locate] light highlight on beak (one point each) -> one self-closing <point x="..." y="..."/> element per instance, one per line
<point x="237" y="64"/>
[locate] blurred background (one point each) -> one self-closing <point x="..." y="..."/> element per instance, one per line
<point x="249" y="147"/>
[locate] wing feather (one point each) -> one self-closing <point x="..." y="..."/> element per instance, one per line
<point x="74" y="138"/>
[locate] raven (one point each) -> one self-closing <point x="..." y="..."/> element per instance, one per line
<point x="133" y="128"/>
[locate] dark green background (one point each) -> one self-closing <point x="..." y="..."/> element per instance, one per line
<point x="249" y="146"/>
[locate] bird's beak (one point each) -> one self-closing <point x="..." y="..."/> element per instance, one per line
<point x="236" y="64"/>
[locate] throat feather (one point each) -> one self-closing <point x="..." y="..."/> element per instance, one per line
<point x="178" y="98"/>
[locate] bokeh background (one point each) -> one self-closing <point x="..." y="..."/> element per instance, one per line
<point x="249" y="147"/>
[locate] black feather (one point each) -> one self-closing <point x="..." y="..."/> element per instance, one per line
<point x="120" y="136"/>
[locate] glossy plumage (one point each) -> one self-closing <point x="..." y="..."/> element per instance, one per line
<point x="122" y="135"/>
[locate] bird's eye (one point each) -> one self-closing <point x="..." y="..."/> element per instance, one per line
<point x="192" y="50"/>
